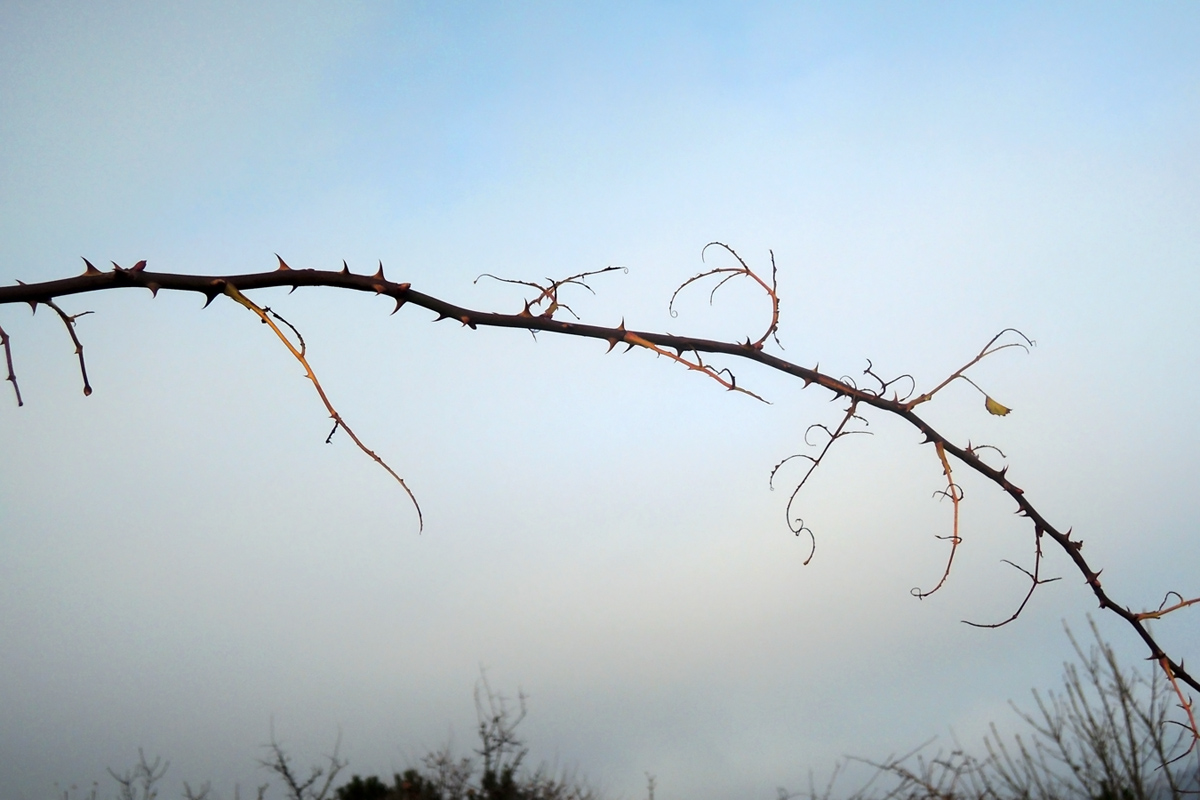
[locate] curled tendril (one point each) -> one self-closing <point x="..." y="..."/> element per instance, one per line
<point x="885" y="385"/>
<point x="797" y="526"/>
<point x="954" y="493"/>
<point x="729" y="274"/>
<point x="548" y="294"/>
<point x="975" y="448"/>
<point x="1164" y="609"/>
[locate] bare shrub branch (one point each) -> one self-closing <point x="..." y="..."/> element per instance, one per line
<point x="69" y="322"/>
<point x="296" y="785"/>
<point x="547" y="301"/>
<point x="12" y="375"/>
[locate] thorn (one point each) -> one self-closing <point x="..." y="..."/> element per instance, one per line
<point x="345" y="267"/>
<point x="292" y="289"/>
<point x="89" y="269"/>
<point x="218" y="288"/>
<point x="467" y="321"/>
<point x="611" y="344"/>
<point x="153" y="287"/>
<point x="282" y="264"/>
<point x="441" y="317"/>
<point x="379" y="273"/>
<point x="399" y="302"/>
<point x="139" y="266"/>
<point x="403" y="287"/>
<point x="116" y="267"/>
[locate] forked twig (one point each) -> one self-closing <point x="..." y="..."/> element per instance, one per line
<point x="718" y="375"/>
<point x="796" y="525"/>
<point x="1164" y="609"/>
<point x="1034" y="582"/>
<point x="12" y="375"/>
<point x="992" y="406"/>
<point x="549" y="294"/>
<point x="730" y="273"/>
<point x="885" y="385"/>
<point x="299" y="353"/>
<point x="69" y="321"/>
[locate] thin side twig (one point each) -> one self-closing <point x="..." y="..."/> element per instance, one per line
<point x="69" y="321"/>
<point x="955" y="493"/>
<point x="338" y="422"/>
<point x="12" y="375"/>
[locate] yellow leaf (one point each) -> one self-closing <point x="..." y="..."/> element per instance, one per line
<point x="995" y="408"/>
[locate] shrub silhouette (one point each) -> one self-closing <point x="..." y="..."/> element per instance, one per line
<point x="1106" y="734"/>
<point x="497" y="774"/>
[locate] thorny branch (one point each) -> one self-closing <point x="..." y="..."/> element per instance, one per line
<point x="93" y="280"/>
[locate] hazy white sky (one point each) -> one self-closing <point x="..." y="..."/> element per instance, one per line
<point x="185" y="563"/>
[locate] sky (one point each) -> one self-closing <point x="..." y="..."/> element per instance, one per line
<point x="189" y="569"/>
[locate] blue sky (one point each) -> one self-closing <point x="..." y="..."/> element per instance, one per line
<point x="186" y="563"/>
